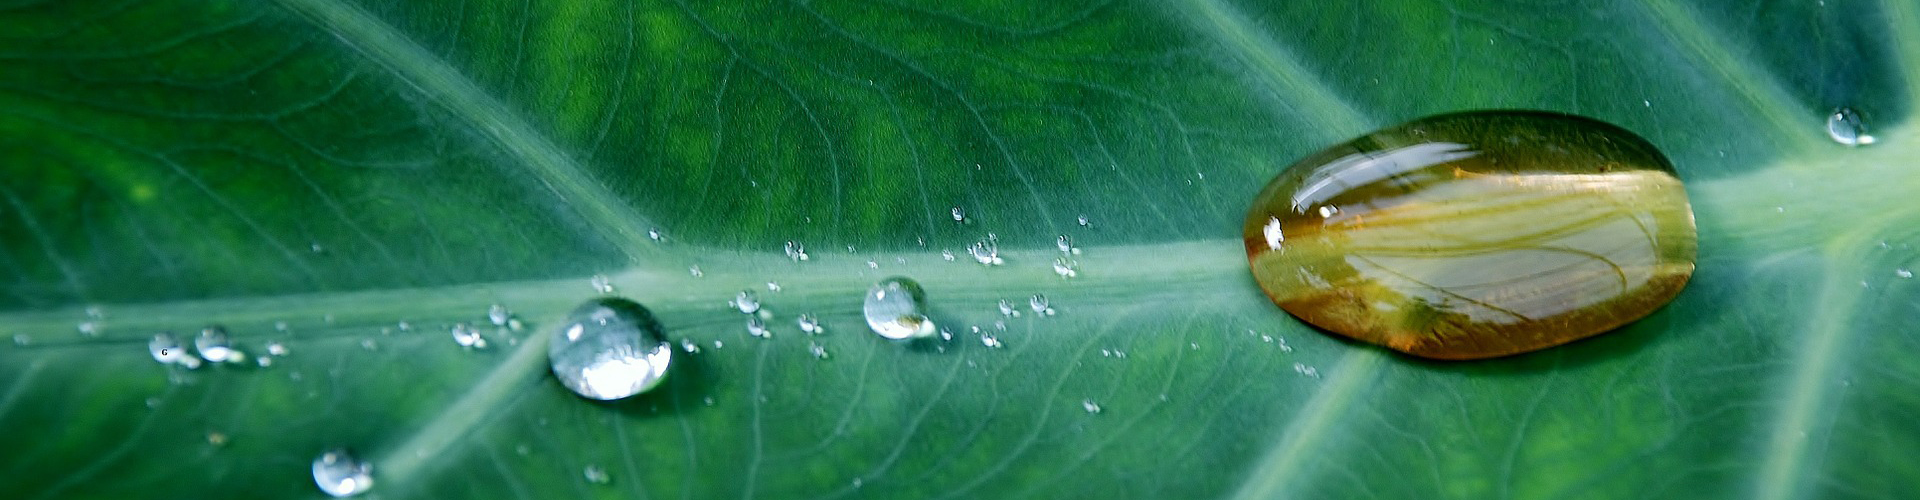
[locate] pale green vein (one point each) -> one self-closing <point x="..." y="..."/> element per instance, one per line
<point x="1277" y="67"/>
<point x="485" y="399"/>
<point x="1311" y="425"/>
<point x="1739" y="72"/>
<point x="554" y="168"/>
<point x="1903" y="19"/>
<point x="1784" y="471"/>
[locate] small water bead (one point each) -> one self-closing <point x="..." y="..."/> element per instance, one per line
<point x="1065" y="268"/>
<point x="601" y="284"/>
<point x="165" y="348"/>
<point x="1904" y="273"/>
<point x="773" y="287"/>
<point x="597" y="475"/>
<point x="1038" y="303"/>
<point x="1006" y="307"/>
<point x="213" y="344"/>
<point x="987" y="251"/>
<point x="1475" y="235"/>
<point x="468" y="336"/>
<point x="819" y="351"/>
<point x="758" y="328"/>
<point x="689" y="346"/>
<point x="796" y="251"/>
<point x="810" y="324"/>
<point x="1090" y="406"/>
<point x="1847" y="127"/>
<point x="339" y="474"/>
<point x="990" y="340"/>
<point x="1308" y="371"/>
<point x="498" y="315"/>
<point x="895" y="308"/>
<point x="654" y="234"/>
<point x="89" y="328"/>
<point x="947" y="254"/>
<point x="610" y="348"/>
<point x="1083" y="220"/>
<point x="959" y="215"/>
<point x="747" y="302"/>
<point x="695" y="271"/>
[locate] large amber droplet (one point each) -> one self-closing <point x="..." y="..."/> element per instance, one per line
<point x="1475" y="235"/>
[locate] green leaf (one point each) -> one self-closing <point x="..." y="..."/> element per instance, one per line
<point x="352" y="179"/>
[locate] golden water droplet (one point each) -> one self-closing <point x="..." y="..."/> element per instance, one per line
<point x="1475" y="235"/>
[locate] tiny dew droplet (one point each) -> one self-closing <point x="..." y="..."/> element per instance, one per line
<point x="601" y="284"/>
<point x="1064" y="243"/>
<point x="1038" y="303"/>
<point x="213" y="345"/>
<point x="498" y="315"/>
<point x="468" y="336"/>
<point x="1847" y="127"/>
<point x="959" y="215"/>
<point x="896" y="309"/>
<point x="1065" y="268"/>
<point x="165" y="348"/>
<point x="597" y="475"/>
<point x="796" y="251"/>
<point x="609" y="348"/>
<point x="747" y="302"/>
<point x="1475" y="235"/>
<point x="339" y="474"/>
<point x="1903" y="272"/>
<point x="758" y="328"/>
<point x="1083" y="220"/>
<point x="810" y="324"/>
<point x="819" y="351"/>
<point x="1090" y="406"/>
<point x="1006" y="307"/>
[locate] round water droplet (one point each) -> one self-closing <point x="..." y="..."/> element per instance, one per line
<point x="747" y="302"/>
<point x="165" y="348"/>
<point x="601" y="284"/>
<point x="947" y="254"/>
<point x="796" y="251"/>
<point x="1064" y="243"/>
<point x="609" y="348"/>
<point x="1903" y="272"/>
<point x="468" y="336"/>
<point x="1083" y="220"/>
<point x="275" y="348"/>
<point x="1065" y="267"/>
<point x="597" y="475"/>
<point x="1847" y="127"/>
<point x="1006" y="307"/>
<point x="340" y="474"/>
<point x="213" y="345"/>
<point x="1038" y="303"/>
<point x="1475" y="235"/>
<point x="896" y="309"/>
<point x="810" y="324"/>
<point x="758" y="328"/>
<point x="986" y="252"/>
<point x="959" y="215"/>
<point x="498" y="315"/>
<point x="1090" y="406"/>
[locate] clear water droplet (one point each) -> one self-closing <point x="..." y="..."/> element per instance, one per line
<point x="959" y="215"/>
<point x="165" y="348"/>
<point x="773" y="287"/>
<point x="819" y="351"/>
<point x="747" y="302"/>
<point x="498" y="315"/>
<point x="896" y="309"/>
<point x="1064" y="243"/>
<point x="340" y="474"/>
<point x="1006" y="307"/>
<point x="1083" y="220"/>
<point x="1065" y="268"/>
<point x="947" y="254"/>
<point x="654" y="234"/>
<point x="689" y="346"/>
<point x="796" y="251"/>
<point x="986" y="252"/>
<point x="213" y="344"/>
<point x="597" y="475"/>
<point x="264" y="361"/>
<point x="810" y="324"/>
<point x="873" y="265"/>
<point x="468" y="336"/>
<point x="1847" y="127"/>
<point x="369" y="344"/>
<point x="758" y="328"/>
<point x="1090" y="406"/>
<point x="610" y="348"/>
<point x="695" y="271"/>
<point x="276" y="348"/>
<point x="990" y="340"/>
<point x="1038" y="303"/>
<point x="89" y="328"/>
<point x="1904" y="273"/>
<point x="192" y="363"/>
<point x="601" y="284"/>
<point x="1308" y="371"/>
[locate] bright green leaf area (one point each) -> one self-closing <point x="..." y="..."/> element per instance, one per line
<point x="353" y="178"/>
